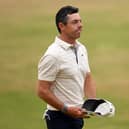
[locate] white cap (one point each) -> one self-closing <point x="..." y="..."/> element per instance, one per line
<point x="106" y="109"/>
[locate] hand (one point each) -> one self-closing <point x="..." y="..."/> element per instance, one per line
<point x="77" y="112"/>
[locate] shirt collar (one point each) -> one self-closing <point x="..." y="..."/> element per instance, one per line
<point x="66" y="45"/>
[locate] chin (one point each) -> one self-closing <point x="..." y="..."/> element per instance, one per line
<point x="76" y="36"/>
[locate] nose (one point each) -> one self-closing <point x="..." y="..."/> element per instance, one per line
<point x="80" y="25"/>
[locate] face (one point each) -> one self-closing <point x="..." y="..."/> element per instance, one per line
<point x="73" y="27"/>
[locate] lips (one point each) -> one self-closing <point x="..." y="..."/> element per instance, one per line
<point x="79" y="30"/>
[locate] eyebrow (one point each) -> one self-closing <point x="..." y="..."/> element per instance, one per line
<point x="76" y="20"/>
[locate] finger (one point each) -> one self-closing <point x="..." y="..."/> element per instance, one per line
<point x="87" y="116"/>
<point x="84" y="110"/>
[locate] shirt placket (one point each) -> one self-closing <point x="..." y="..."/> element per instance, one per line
<point x="75" y="52"/>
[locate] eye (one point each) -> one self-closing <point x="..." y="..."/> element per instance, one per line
<point x="76" y="21"/>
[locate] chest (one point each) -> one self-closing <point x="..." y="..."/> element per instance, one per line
<point x="73" y="65"/>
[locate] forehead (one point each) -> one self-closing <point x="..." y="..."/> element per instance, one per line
<point x="74" y="16"/>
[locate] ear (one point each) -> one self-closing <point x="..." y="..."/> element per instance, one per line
<point x="61" y="26"/>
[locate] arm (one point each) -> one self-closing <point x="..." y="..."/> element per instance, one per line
<point x="90" y="86"/>
<point x="45" y="94"/>
<point x="47" y="70"/>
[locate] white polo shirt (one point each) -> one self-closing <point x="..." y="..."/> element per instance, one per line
<point x="59" y="65"/>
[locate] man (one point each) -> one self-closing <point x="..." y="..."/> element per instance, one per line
<point x="64" y="76"/>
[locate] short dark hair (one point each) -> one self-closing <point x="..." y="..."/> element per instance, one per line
<point x="61" y="15"/>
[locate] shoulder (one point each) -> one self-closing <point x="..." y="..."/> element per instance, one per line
<point x="51" y="55"/>
<point x="53" y="50"/>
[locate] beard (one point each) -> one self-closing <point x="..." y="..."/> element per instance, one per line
<point x="76" y="34"/>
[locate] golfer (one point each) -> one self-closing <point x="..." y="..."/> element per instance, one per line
<point x="64" y="76"/>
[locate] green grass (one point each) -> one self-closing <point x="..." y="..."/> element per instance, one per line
<point x="26" y="30"/>
<point x="21" y="111"/>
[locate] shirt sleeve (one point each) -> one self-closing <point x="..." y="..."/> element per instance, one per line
<point x="47" y="68"/>
<point x="88" y="66"/>
<point x="87" y="60"/>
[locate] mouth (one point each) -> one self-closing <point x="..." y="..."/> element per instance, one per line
<point x="79" y="30"/>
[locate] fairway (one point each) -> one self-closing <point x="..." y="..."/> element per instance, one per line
<point x="26" y="30"/>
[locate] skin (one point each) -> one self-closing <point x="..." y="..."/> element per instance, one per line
<point x="69" y="33"/>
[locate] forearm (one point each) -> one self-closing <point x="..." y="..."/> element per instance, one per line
<point x="90" y="87"/>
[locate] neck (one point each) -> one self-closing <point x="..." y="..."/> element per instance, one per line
<point x="67" y="39"/>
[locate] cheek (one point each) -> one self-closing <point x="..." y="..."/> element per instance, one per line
<point x="71" y="27"/>
<point x="69" y="30"/>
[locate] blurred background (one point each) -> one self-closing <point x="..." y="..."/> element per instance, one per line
<point x="27" y="27"/>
